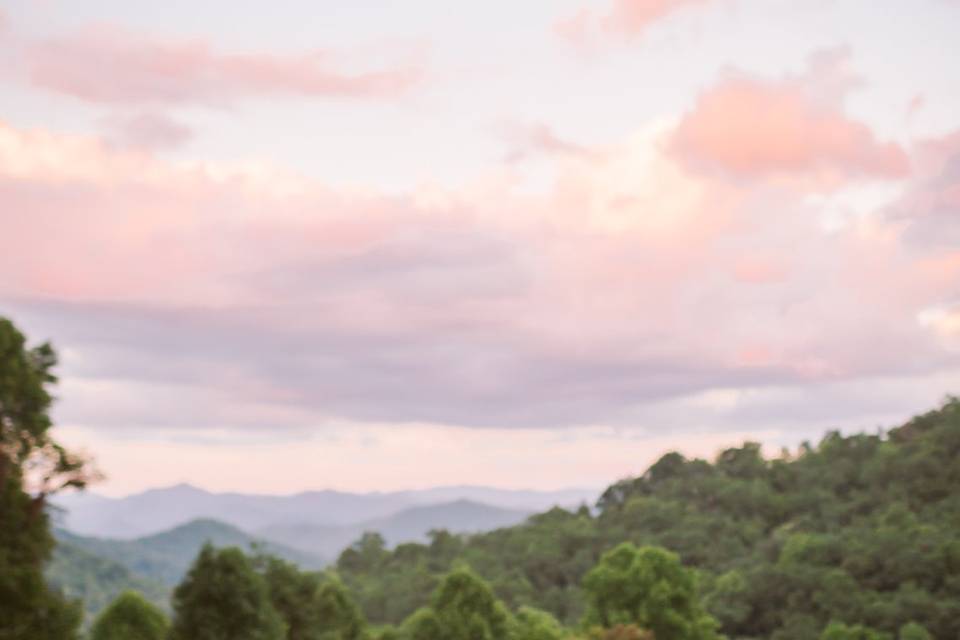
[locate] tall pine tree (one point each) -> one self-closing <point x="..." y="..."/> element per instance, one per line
<point x="29" y="610"/>
<point x="224" y="598"/>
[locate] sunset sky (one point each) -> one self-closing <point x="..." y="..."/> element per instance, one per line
<point x="382" y="245"/>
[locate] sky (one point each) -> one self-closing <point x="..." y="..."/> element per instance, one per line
<point x="380" y="245"/>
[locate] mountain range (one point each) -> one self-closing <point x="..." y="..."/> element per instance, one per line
<point x="409" y="525"/>
<point x="147" y="541"/>
<point x="159" y="510"/>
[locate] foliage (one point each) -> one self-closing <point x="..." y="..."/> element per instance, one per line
<point x="313" y="607"/>
<point x="913" y="631"/>
<point x="96" y="580"/>
<point x="620" y="632"/>
<point x="533" y="624"/>
<point x="32" y="466"/>
<point x="860" y="529"/>
<point x="130" y="617"/>
<point x="165" y="557"/>
<point x="224" y="598"/>
<point x="840" y="631"/>
<point x="462" y="608"/>
<point x="647" y="587"/>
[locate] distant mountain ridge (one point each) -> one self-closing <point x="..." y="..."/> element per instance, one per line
<point x="158" y="510"/>
<point x="410" y="525"/>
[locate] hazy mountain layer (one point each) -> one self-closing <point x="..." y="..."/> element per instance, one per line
<point x="162" y="509"/>
<point x="409" y="525"/>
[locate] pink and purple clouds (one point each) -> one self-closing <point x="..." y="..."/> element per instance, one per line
<point x="758" y="254"/>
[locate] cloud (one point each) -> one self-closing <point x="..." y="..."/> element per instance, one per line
<point x="625" y="18"/>
<point x="916" y="104"/>
<point x="259" y="298"/>
<point x="633" y="17"/>
<point x="111" y="65"/>
<point x="945" y="322"/>
<point x="526" y="140"/>
<point x="151" y="131"/>
<point x="930" y="207"/>
<point x="760" y="269"/>
<point x="791" y="130"/>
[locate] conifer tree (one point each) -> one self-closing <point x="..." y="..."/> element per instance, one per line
<point x="223" y="598"/>
<point x="29" y="609"/>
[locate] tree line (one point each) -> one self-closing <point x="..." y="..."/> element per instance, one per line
<point x="856" y="532"/>
<point x="634" y="593"/>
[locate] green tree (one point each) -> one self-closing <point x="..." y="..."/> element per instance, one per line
<point x="29" y="609"/>
<point x="840" y="631"/>
<point x="130" y="617"/>
<point x="365" y="555"/>
<point x="534" y="624"/>
<point x="650" y="588"/>
<point x="386" y="633"/>
<point x="338" y="615"/>
<point x="913" y="631"/>
<point x="462" y="608"/>
<point x="620" y="632"/>
<point x="224" y="598"/>
<point x="313" y="607"/>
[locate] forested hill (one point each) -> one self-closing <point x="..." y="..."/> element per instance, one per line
<point x="859" y="529"/>
<point x="165" y="557"/>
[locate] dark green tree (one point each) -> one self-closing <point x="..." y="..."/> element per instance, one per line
<point x="840" y="631"/>
<point x="462" y="608"/>
<point x="224" y="598"/>
<point x="291" y="593"/>
<point x="313" y="606"/>
<point x="28" y="608"/>
<point x="913" y="631"/>
<point x="364" y="555"/>
<point x="338" y="616"/>
<point x="650" y="588"/>
<point x="620" y="632"/>
<point x="130" y="617"/>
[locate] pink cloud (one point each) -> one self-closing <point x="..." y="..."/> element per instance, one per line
<point x="526" y="140"/>
<point x="110" y="65"/>
<point x="633" y="17"/>
<point x="479" y="304"/>
<point x="626" y="18"/>
<point x="146" y="131"/>
<point x="791" y="130"/>
<point x="759" y="270"/>
<point x="929" y="209"/>
<point x="755" y="356"/>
